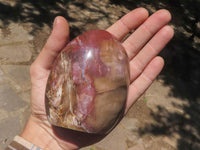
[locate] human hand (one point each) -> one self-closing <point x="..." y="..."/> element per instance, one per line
<point x="142" y="47"/>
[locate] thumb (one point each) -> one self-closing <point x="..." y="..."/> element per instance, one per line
<point x="55" y="43"/>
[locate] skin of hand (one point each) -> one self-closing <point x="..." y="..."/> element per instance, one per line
<point x="151" y="34"/>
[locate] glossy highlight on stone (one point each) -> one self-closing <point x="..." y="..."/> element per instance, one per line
<point x="87" y="87"/>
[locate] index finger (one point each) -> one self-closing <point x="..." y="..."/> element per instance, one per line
<point x="128" y="22"/>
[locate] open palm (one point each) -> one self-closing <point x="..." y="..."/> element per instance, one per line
<point x="150" y="35"/>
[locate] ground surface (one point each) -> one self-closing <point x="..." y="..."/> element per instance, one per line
<point x="164" y="118"/>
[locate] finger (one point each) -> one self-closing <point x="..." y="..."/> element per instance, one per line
<point x="140" y="85"/>
<point x="55" y="43"/>
<point x="128" y="22"/>
<point x="138" y="39"/>
<point x="151" y="49"/>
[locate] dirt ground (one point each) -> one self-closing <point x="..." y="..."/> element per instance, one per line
<point x="166" y="117"/>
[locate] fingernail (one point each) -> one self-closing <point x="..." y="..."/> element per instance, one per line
<point x="55" y="22"/>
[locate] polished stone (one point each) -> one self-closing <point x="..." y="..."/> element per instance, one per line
<point x="88" y="84"/>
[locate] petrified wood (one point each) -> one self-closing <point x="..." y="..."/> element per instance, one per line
<point x="88" y="84"/>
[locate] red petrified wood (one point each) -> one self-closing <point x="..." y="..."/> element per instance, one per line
<point x="88" y="84"/>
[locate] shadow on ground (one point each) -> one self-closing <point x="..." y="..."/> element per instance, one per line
<point x="182" y="70"/>
<point x="42" y="13"/>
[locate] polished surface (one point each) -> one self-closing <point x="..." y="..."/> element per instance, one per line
<point x="88" y="84"/>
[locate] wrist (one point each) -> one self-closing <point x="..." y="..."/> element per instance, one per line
<point x="39" y="134"/>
